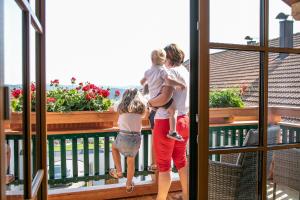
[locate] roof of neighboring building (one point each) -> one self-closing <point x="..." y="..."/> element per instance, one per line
<point x="233" y="68"/>
<point x="290" y="2"/>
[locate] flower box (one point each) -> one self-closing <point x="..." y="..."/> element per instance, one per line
<point x="229" y="115"/>
<point x="76" y="120"/>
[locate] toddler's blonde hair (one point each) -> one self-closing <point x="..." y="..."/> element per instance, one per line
<point x="132" y="102"/>
<point x="158" y="56"/>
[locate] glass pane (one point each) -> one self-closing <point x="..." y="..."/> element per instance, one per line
<point x="234" y="176"/>
<point x="104" y="58"/>
<point x="13" y="78"/>
<point x="283" y="174"/>
<point x="231" y="21"/>
<point x="283" y="28"/>
<point x="284" y="97"/>
<point x="233" y="101"/>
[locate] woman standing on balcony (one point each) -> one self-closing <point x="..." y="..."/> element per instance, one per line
<point x="165" y="148"/>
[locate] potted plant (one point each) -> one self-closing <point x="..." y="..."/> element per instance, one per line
<point x="79" y="106"/>
<point x="221" y="100"/>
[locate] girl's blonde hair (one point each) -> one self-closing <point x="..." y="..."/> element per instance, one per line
<point x="158" y="56"/>
<point x="131" y="102"/>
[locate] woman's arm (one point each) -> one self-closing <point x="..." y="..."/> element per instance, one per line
<point x="174" y="82"/>
<point x="163" y="98"/>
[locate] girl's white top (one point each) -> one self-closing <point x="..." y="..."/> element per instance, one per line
<point x="155" y="77"/>
<point x="130" y="122"/>
<point x="180" y="97"/>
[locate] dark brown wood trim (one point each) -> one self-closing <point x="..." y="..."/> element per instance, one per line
<point x="283" y="146"/>
<point x="241" y="47"/>
<point x="110" y="192"/>
<point x="26" y="105"/>
<point x="284" y="50"/>
<point x="230" y="150"/>
<point x="193" y="70"/>
<point x="2" y="136"/>
<point x="263" y="99"/>
<point x="25" y="6"/>
<point x="270" y="147"/>
<point x="41" y="99"/>
<point x="203" y="88"/>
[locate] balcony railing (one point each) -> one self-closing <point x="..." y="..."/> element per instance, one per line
<point x="93" y="144"/>
<point x="89" y="152"/>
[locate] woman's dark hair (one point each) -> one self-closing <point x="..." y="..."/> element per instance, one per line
<point x="175" y="54"/>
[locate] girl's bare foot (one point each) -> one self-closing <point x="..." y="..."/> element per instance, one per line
<point x="129" y="187"/>
<point x="115" y="174"/>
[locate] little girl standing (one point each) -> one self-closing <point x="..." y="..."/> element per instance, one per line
<point x="131" y="111"/>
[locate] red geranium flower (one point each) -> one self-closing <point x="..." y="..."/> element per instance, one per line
<point x="82" y="96"/>
<point x="88" y="97"/>
<point x="105" y="93"/>
<point x="117" y="93"/>
<point x="92" y="86"/>
<point x="55" y="82"/>
<point x="32" y="86"/>
<point x="51" y="100"/>
<point x="16" y="93"/>
<point x="73" y="79"/>
<point x="86" y="88"/>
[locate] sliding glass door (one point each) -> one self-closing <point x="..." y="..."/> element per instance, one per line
<point x="248" y="101"/>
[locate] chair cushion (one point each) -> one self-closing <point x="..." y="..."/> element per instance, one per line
<point x="252" y="136"/>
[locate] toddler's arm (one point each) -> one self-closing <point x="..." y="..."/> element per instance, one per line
<point x="143" y="81"/>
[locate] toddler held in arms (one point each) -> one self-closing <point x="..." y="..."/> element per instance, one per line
<point x="158" y="78"/>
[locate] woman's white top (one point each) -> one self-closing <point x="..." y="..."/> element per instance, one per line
<point x="180" y="97"/>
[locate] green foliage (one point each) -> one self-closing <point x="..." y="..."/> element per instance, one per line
<point x="229" y="97"/>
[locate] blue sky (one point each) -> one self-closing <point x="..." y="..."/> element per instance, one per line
<point x="108" y="42"/>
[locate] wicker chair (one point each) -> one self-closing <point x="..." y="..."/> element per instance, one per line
<point x="238" y="180"/>
<point x="287" y="169"/>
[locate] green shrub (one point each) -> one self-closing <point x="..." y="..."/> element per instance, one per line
<point x="229" y="97"/>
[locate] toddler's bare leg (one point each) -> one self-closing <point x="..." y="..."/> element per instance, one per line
<point x="163" y="98"/>
<point x="172" y="120"/>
